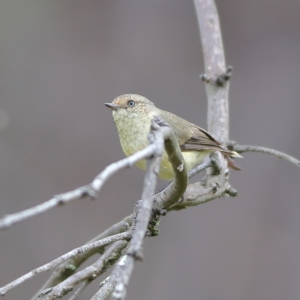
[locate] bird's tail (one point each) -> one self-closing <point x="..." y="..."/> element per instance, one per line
<point x="234" y="154"/>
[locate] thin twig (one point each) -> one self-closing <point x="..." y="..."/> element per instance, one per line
<point x="244" y="148"/>
<point x="107" y="286"/>
<point x="71" y="265"/>
<point x="91" y="189"/>
<point x="89" y="273"/>
<point x="173" y="191"/>
<point x="200" y="168"/>
<point x="201" y="192"/>
<point x="63" y="271"/>
<point x="61" y="259"/>
<point x="80" y="289"/>
<point x="191" y="174"/>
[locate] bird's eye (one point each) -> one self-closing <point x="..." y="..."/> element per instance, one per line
<point x="131" y="103"/>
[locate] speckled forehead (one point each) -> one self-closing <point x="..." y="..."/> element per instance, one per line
<point x="123" y="99"/>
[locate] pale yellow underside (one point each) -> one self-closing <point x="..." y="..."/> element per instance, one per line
<point x="192" y="159"/>
<point x="136" y="140"/>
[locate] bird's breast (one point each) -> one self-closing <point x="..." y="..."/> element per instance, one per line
<point x="132" y="131"/>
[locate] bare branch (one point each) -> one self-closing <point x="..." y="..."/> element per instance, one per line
<point x="157" y="139"/>
<point x="201" y="192"/>
<point x="63" y="270"/>
<point x="107" y="286"/>
<point x="141" y="221"/>
<point x="80" y="289"/>
<point x="70" y="266"/>
<point x="88" y="190"/>
<point x="200" y="168"/>
<point x="116" y="228"/>
<point x="214" y="59"/>
<point x="90" y="273"/>
<point x="61" y="259"/>
<point x="214" y="187"/>
<point x="174" y="191"/>
<point x="217" y="89"/>
<point x="58" y="200"/>
<point x="244" y="148"/>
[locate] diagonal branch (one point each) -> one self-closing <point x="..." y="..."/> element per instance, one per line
<point x="107" y="286"/>
<point x="61" y="259"/>
<point x="161" y="132"/>
<point x="63" y="271"/>
<point x="244" y="148"/>
<point x="90" y="273"/>
<point x="83" y="286"/>
<point x="201" y="192"/>
<point x="91" y="189"/>
<point x="71" y="265"/>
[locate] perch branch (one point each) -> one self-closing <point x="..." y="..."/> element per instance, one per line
<point x="244" y="148"/>
<point x="91" y="189"/>
<point x="201" y="192"/>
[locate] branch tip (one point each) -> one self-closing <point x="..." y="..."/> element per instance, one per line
<point x="232" y="192"/>
<point x="245" y="148"/>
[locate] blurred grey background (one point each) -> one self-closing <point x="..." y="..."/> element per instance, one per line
<point x="61" y="60"/>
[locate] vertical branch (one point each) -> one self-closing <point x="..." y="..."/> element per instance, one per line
<point x="214" y="60"/>
<point x="142" y="209"/>
<point x="142" y="212"/>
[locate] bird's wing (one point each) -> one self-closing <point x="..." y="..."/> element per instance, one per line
<point x="196" y="138"/>
<point x="191" y="136"/>
<point x="201" y="140"/>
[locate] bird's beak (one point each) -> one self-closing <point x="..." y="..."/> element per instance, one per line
<point x="112" y="106"/>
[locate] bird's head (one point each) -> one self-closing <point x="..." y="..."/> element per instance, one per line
<point x="130" y="105"/>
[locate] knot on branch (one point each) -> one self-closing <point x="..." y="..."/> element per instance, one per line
<point x="137" y="254"/>
<point x="231" y="145"/>
<point x="221" y="80"/>
<point x="88" y="191"/>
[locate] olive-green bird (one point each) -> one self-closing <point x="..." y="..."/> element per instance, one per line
<point x="133" y="114"/>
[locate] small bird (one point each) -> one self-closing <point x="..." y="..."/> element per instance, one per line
<point x="132" y="115"/>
